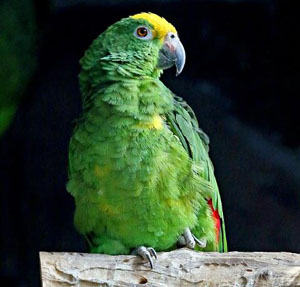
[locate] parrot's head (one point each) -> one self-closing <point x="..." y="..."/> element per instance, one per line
<point x="158" y="37"/>
<point x="140" y="45"/>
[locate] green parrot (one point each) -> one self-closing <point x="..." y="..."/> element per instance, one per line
<point x="139" y="168"/>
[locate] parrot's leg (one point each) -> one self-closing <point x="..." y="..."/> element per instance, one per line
<point x="146" y="253"/>
<point x="189" y="240"/>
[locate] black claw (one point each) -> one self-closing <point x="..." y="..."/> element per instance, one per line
<point x="150" y="260"/>
<point x="153" y="252"/>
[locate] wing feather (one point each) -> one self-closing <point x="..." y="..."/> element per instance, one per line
<point x="183" y="123"/>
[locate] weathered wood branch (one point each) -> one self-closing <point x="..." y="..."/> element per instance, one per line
<point x="177" y="268"/>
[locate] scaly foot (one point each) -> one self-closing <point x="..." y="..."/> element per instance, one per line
<point x="189" y="240"/>
<point x="146" y="253"/>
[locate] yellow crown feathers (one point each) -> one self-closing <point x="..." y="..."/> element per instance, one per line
<point x="160" y="25"/>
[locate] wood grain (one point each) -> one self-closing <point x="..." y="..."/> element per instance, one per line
<point x="181" y="267"/>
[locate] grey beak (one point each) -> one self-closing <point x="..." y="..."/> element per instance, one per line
<point x="172" y="53"/>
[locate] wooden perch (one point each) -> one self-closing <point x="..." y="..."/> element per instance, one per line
<point x="181" y="267"/>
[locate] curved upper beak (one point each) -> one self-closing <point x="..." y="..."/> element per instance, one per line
<point x="172" y="53"/>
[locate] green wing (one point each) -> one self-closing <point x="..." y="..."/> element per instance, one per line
<point x="183" y="123"/>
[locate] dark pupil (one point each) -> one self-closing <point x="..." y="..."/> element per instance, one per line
<point x="142" y="32"/>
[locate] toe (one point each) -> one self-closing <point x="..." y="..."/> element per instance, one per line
<point x="201" y="243"/>
<point x="146" y="254"/>
<point x="191" y="244"/>
<point x="181" y="241"/>
<point x="189" y="239"/>
<point x="152" y="252"/>
<point x="150" y="260"/>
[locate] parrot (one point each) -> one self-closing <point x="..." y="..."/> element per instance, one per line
<point x="139" y="168"/>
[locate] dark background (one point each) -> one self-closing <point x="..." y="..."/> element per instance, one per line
<point x="242" y="80"/>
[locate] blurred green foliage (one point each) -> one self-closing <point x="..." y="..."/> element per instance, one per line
<point x="17" y="55"/>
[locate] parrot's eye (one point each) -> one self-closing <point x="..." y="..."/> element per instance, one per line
<point x="143" y="33"/>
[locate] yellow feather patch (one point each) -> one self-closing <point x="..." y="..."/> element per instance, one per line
<point x="101" y="172"/>
<point x="155" y="123"/>
<point x="108" y="209"/>
<point x="160" y="25"/>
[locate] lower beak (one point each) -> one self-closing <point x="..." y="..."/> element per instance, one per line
<point x="172" y="53"/>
